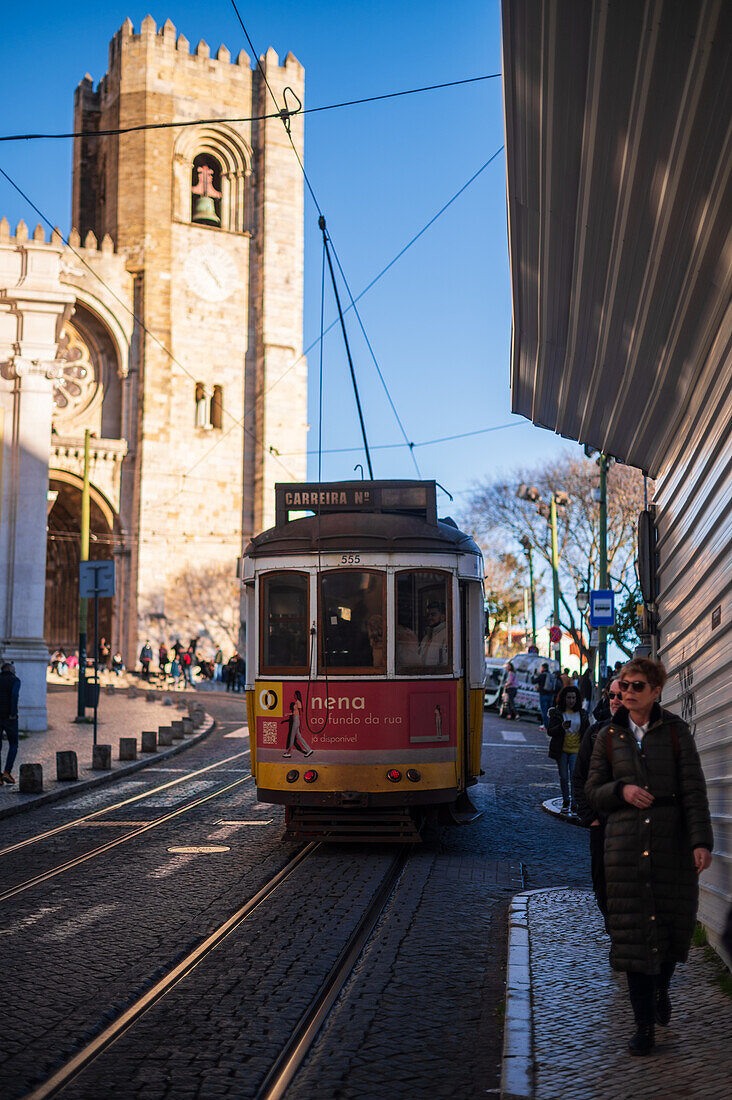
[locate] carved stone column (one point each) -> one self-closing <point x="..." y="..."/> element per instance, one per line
<point x="33" y="304"/>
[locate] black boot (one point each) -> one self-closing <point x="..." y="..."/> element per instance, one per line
<point x="643" y="1041"/>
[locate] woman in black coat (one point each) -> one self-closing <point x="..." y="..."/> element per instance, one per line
<point x="566" y="725"/>
<point x="645" y="776"/>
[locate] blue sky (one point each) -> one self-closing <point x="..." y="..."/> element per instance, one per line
<point x="440" y="320"/>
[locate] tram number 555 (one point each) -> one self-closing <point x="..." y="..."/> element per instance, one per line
<point x="350" y="559"/>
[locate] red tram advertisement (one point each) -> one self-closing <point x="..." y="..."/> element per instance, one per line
<point x="365" y="660"/>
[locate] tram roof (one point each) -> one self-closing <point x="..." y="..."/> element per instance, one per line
<point x="618" y="157"/>
<point x="366" y="532"/>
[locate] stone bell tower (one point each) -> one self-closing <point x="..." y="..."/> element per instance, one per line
<point x="210" y="219"/>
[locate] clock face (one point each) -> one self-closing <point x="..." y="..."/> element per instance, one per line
<point x="210" y="272"/>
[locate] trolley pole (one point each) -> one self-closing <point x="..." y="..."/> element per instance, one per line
<point x="602" y="630"/>
<point x="83" y="607"/>
<point x="555" y="573"/>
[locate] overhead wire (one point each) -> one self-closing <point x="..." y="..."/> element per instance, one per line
<point x="321" y="222"/>
<point x="250" y="118"/>
<point x="395" y="446"/>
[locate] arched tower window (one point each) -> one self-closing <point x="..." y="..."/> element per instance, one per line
<point x="212" y="178"/>
<point x="206" y="190"/>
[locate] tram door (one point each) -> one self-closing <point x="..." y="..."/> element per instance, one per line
<point x="465" y="692"/>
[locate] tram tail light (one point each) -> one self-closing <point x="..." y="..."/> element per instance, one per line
<point x="310" y="776"/>
<point x="394" y="775"/>
<point x="292" y="776"/>
<point x="413" y="775"/>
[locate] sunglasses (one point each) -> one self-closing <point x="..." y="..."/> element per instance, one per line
<point x="636" y="685"/>
<point x="616" y="695"/>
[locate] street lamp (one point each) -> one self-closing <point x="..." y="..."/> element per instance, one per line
<point x="526" y="543"/>
<point x="549" y="511"/>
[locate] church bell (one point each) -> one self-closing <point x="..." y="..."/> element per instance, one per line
<point x="204" y="211"/>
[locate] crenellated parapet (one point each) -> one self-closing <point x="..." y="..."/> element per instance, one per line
<point x="166" y="41"/>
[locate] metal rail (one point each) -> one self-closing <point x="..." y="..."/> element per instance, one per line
<point x="72" y="1068"/>
<point x="118" y="805"/>
<point x="298" y="1046"/>
<point x="78" y="860"/>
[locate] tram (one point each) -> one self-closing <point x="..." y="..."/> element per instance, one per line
<point x="365" y="662"/>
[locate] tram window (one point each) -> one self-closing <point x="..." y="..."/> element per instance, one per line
<point x="284" y="618"/>
<point x="423" y="622"/>
<point x="352" y="621"/>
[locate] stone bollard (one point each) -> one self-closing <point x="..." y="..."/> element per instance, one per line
<point x="101" y="758"/>
<point x="177" y="728"/>
<point x="167" y="701"/>
<point x="128" y="748"/>
<point x="132" y="691"/>
<point x="109" y="689"/>
<point x="67" y="766"/>
<point x="187" y="726"/>
<point x="150" y="696"/>
<point x="180" y="704"/>
<point x="165" y="735"/>
<point x="30" y="779"/>
<point x="149" y="741"/>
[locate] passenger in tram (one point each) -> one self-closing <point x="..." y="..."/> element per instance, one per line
<point x="294" y="731"/>
<point x="432" y="651"/>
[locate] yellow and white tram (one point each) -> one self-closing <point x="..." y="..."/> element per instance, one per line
<point x="365" y="662"/>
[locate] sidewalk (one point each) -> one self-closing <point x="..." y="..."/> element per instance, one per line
<point x="118" y="716"/>
<point x="568" y="1018"/>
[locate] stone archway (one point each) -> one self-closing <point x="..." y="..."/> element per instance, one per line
<point x="61" y="618"/>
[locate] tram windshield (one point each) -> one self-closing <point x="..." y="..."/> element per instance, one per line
<point x="284" y="619"/>
<point x="423" y="622"/>
<point x="352" y="620"/>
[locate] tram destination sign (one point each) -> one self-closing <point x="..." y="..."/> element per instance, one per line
<point x="412" y="497"/>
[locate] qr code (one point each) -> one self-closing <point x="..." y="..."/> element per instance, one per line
<point x="269" y="733"/>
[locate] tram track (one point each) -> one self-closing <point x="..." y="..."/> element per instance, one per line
<point x="146" y="827"/>
<point x="48" y="833"/>
<point x="302" y="1037"/>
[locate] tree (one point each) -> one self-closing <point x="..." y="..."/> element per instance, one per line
<point x="204" y="601"/>
<point x="495" y="513"/>
<point x="504" y="583"/>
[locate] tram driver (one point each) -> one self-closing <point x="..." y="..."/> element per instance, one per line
<point x="432" y="649"/>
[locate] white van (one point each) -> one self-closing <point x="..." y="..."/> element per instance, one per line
<point x="525" y="665"/>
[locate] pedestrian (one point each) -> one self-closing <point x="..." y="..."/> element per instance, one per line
<point x="231" y="672"/>
<point x="566" y="727"/>
<point x="588" y="818"/>
<point x="146" y="655"/>
<point x="645" y="776"/>
<point x="586" y="687"/>
<point x="510" y="687"/>
<point x="601" y="713"/>
<point x="117" y="664"/>
<point x="544" y="681"/>
<point x="175" y="671"/>
<point x="186" y="662"/>
<point x="218" y="663"/>
<point x="566" y="678"/>
<point x="9" y="693"/>
<point x="103" y="653"/>
<point x="162" y="659"/>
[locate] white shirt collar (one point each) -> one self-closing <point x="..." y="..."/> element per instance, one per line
<point x="638" y="731"/>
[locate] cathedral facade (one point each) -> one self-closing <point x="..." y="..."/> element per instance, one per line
<point x="169" y="326"/>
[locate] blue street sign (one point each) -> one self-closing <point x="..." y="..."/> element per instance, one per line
<point x="602" y="607"/>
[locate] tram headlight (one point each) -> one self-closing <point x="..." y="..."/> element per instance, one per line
<point x="292" y="776"/>
<point x="310" y="776"/>
<point x="413" y="775"/>
<point x="394" y="775"/>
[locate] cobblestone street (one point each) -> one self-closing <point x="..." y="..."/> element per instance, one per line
<point x="422" y="1012"/>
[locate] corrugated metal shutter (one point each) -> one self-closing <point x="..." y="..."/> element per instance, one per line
<point x="695" y="603"/>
